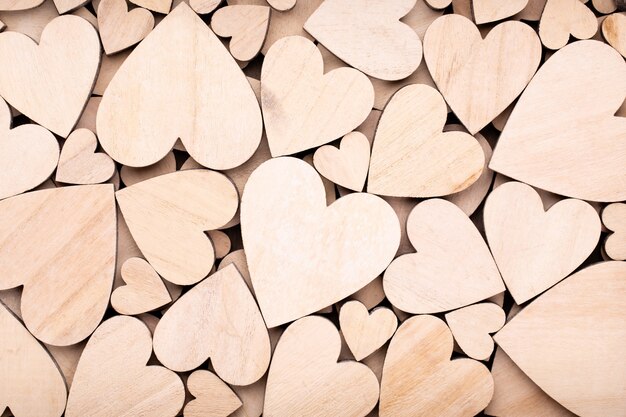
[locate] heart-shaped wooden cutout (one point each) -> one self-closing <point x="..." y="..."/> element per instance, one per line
<point x="247" y="25"/>
<point x="60" y="245"/>
<point x="575" y="333"/>
<point x="51" y="82"/>
<point x="217" y="318"/>
<point x="411" y="156"/>
<point x="419" y="379"/>
<point x="368" y="35"/>
<point x="213" y="397"/>
<point x="168" y="215"/>
<point x="614" y="218"/>
<point x="560" y="18"/>
<point x="144" y="290"/>
<point x="79" y="164"/>
<point x="112" y="378"/>
<point x="578" y="151"/>
<point x="28" y="155"/>
<point x="479" y="77"/>
<point x="486" y="11"/>
<point x="30" y="382"/>
<point x="348" y="165"/>
<point x="471" y="327"/>
<point x="306" y="380"/>
<point x="365" y="332"/>
<point x="302" y="255"/>
<point x="535" y="249"/>
<point x="614" y="31"/>
<point x="303" y="107"/>
<point x="452" y="267"/>
<point x="210" y="106"/>
<point x="120" y="28"/>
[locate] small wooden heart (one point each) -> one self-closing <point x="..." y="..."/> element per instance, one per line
<point x="614" y="218"/>
<point x="120" y="28"/>
<point x="486" y="11"/>
<point x="471" y="327"/>
<point x="614" y="31"/>
<point x="346" y="166"/>
<point x="366" y="332"/>
<point x="560" y="18"/>
<point x="144" y="290"/>
<point x="79" y="164"/>
<point x="247" y="25"/>
<point x="213" y="398"/>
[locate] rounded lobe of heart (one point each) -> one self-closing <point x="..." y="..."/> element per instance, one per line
<point x="246" y="24"/>
<point x="452" y="267"/>
<point x="575" y="333"/>
<point x="560" y="18"/>
<point x="120" y="28"/>
<point x="535" y="249"/>
<point x="282" y="5"/>
<point x="144" y="290"/>
<point x="79" y="164"/>
<point x="614" y="218"/>
<point x="302" y="255"/>
<point x="13" y="5"/>
<point x="419" y="379"/>
<point x="472" y="325"/>
<point x="112" y="378"/>
<point x="411" y="157"/>
<point x="348" y="165"/>
<point x="365" y="332"/>
<point x="486" y="11"/>
<point x="614" y="31"/>
<point x="576" y="151"/>
<point x="210" y="105"/>
<point x="159" y="6"/>
<point x="212" y="396"/>
<point x="306" y="380"/>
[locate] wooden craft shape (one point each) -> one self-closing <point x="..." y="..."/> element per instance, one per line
<point x="614" y="31"/>
<point x="282" y="5"/>
<point x="348" y="165"/>
<point x="560" y="18"/>
<point x="213" y="398"/>
<point x="614" y="218"/>
<point x="366" y="332"/>
<point x="120" y="28"/>
<point x="247" y="25"/>
<point x="13" y="5"/>
<point x="144" y="290"/>
<point x="471" y="327"/>
<point x="80" y="164"/>
<point x="486" y="11"/>
<point x="159" y="6"/>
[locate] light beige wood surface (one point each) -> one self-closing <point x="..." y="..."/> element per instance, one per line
<point x="120" y="28"/>
<point x="30" y="22"/>
<point x="306" y="380"/>
<point x="534" y="249"/>
<point x="213" y="398"/>
<point x="108" y="68"/>
<point x="419" y="379"/>
<point x="30" y="382"/>
<point x="363" y="331"/>
<point x="143" y="113"/>
<point x="614" y="31"/>
<point x="471" y="327"/>
<point x="238" y="258"/>
<point x="112" y="378"/>
<point x="13" y="5"/>
<point x="159" y="6"/>
<point x="228" y="328"/>
<point x="371" y="295"/>
<point x="64" y="6"/>
<point x="66" y="358"/>
<point x="604" y="6"/>
<point x="411" y="157"/>
<point x="532" y="12"/>
<point x="88" y="118"/>
<point x="131" y="176"/>
<point x="51" y="82"/>
<point x="303" y="255"/>
<point x="79" y="162"/>
<point x="282" y="5"/>
<point x="221" y="243"/>
<point x="368" y="35"/>
<point x="60" y="245"/>
<point x="438" y="4"/>
<point x="347" y="165"/>
<point x="480" y="77"/>
<point x="486" y="11"/>
<point x="562" y="18"/>
<point x="575" y="333"/>
<point x="303" y="107"/>
<point x="452" y="267"/>
<point x="246" y="25"/>
<point x="168" y="215"/>
<point x="144" y="291"/>
<point x="614" y="218"/>
<point x="204" y="6"/>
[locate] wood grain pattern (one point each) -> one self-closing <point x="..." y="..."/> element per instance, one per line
<point x="247" y="25"/>
<point x="213" y="398"/>
<point x="614" y="31"/>
<point x="348" y="165"/>
<point x="562" y="18"/>
<point x="13" y="5"/>
<point x="131" y="176"/>
<point x="159" y="6"/>
<point x="144" y="291"/>
<point x="614" y="218"/>
<point x="486" y="11"/>
<point x="282" y="5"/>
<point x="471" y="327"/>
<point x="363" y="331"/>
<point x="120" y="28"/>
<point x="80" y="164"/>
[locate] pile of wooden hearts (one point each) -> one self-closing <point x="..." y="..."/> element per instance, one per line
<point x="335" y="212"/>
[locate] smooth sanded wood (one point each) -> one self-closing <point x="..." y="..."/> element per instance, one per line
<point x="365" y="332"/>
<point x="412" y="157"/>
<point x="371" y="295"/>
<point x="144" y="291"/>
<point x="419" y="379"/>
<point x="303" y="255"/>
<point x="562" y="18"/>
<point x="304" y="108"/>
<point x="348" y="165"/>
<point x="471" y="327"/>
<point x="168" y="215"/>
<point x="213" y="398"/>
<point x="605" y="6"/>
<point x="112" y="378"/>
<point x="306" y="380"/>
<point x="438" y="4"/>
<point x="228" y="328"/>
<point x="80" y="164"/>
<point x="120" y="28"/>
<point x="534" y="249"/>
<point x="211" y="106"/>
<point x="577" y="151"/>
<point x="13" y="5"/>
<point x="131" y="176"/>
<point x="246" y="25"/>
<point x="480" y="77"/>
<point x="51" y="82"/>
<point x="60" y="245"/>
<point x="614" y="31"/>
<point x="575" y="333"/>
<point x="159" y="6"/>
<point x="614" y="218"/>
<point x="282" y="5"/>
<point x="486" y="11"/>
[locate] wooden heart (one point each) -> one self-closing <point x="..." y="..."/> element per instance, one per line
<point x="346" y="166"/>
<point x="112" y="378"/>
<point x="486" y="11"/>
<point x="479" y="77"/>
<point x="14" y="5"/>
<point x="159" y="6"/>
<point x="452" y="267"/>
<point x="217" y="318"/>
<point x="120" y="28"/>
<point x="560" y="18"/>
<point x="60" y="245"/>
<point x="213" y="397"/>
<point x="302" y="255"/>
<point x="247" y="25"/>
<point x="211" y="106"/>
<point x="306" y="380"/>
<point x="368" y="35"/>
<point x="535" y="249"/>
<point x="28" y="155"/>
<point x="30" y="382"/>
<point x="578" y="151"/>
<point x="144" y="291"/>
<point x="411" y="156"/>
<point x="419" y="379"/>
<point x="366" y="332"/>
<point x="79" y="164"/>
<point x="51" y="82"/>
<point x="303" y="107"/>
<point x="471" y="327"/>
<point x="614" y="218"/>
<point x="168" y="215"/>
<point x="575" y="333"/>
<point x="614" y="31"/>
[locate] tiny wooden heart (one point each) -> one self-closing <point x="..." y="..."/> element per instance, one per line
<point x="304" y="256"/>
<point x="112" y="378"/>
<point x="306" y="380"/>
<point x="144" y="290"/>
<point x="365" y="332"/>
<point x="346" y="166"/>
<point x="368" y="35"/>
<point x="560" y="18"/>
<point x="471" y="327"/>
<point x="614" y="31"/>
<point x="452" y="267"/>
<point x="303" y="107"/>
<point x="614" y="218"/>
<point x="213" y="398"/>
<point x="120" y="28"/>
<point x="79" y="164"/>
<point x="247" y="25"/>
<point x="486" y="11"/>
<point x="419" y="379"/>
